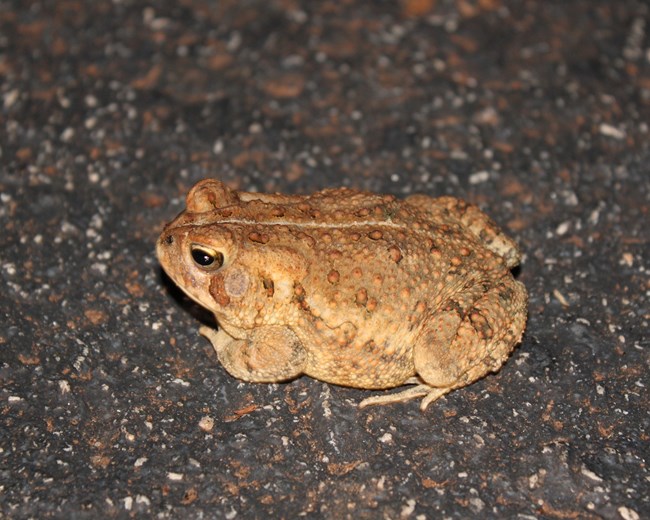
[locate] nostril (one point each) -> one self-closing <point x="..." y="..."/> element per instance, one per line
<point x="169" y="240"/>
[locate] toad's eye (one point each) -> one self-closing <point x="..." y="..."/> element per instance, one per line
<point x="206" y="258"/>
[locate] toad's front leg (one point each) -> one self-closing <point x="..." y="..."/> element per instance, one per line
<point x="268" y="355"/>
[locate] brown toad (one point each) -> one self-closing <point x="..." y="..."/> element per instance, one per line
<point x="348" y="287"/>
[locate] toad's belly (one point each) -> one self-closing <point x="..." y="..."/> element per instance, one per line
<point x="364" y="364"/>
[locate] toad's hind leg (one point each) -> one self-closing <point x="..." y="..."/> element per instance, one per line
<point x="269" y="354"/>
<point x="463" y="342"/>
<point x="419" y="390"/>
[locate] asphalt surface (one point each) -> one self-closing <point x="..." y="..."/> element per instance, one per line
<point x="110" y="403"/>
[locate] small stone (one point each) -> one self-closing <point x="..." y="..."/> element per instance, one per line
<point x="206" y="423"/>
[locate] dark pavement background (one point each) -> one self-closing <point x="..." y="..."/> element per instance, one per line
<point x="110" y="403"/>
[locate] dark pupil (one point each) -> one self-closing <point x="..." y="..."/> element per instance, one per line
<point x="202" y="258"/>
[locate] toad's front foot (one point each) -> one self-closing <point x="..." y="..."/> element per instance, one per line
<point x="218" y="338"/>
